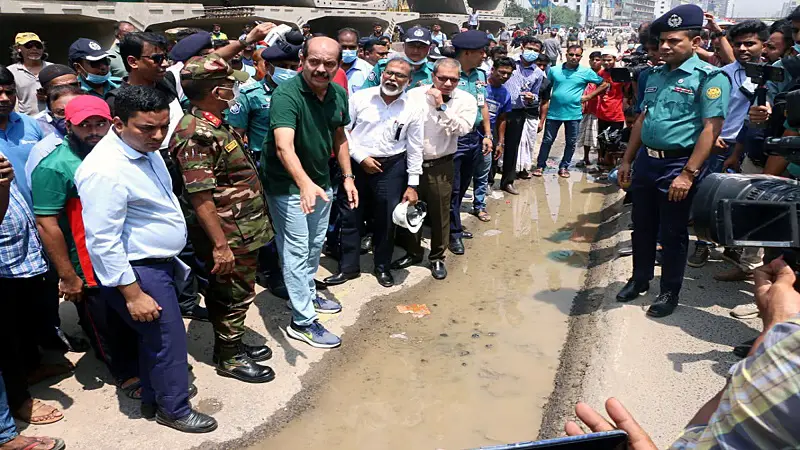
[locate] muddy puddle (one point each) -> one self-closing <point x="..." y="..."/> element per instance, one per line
<point x="477" y="370"/>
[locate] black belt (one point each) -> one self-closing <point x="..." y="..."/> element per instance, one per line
<point x="435" y="162"/>
<point x="151" y="261"/>
<point x="661" y="154"/>
<point x="389" y="159"/>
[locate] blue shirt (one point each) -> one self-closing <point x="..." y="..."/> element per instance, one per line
<point x="129" y="210"/>
<point x="21" y="251"/>
<point x="568" y="87"/>
<point x="357" y="74"/>
<point x="16" y="142"/>
<point x="475" y="84"/>
<point x="109" y="86"/>
<point x="739" y="103"/>
<point x="524" y="79"/>
<point x="498" y="100"/>
<point x="440" y="38"/>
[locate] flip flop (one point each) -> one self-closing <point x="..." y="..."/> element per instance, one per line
<point x="58" y="444"/>
<point x="133" y="391"/>
<point x="483" y="216"/>
<point x="538" y="172"/>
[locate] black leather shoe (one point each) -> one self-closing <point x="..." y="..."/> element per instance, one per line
<point x="245" y="369"/>
<point x="257" y="352"/>
<point x="405" y="261"/>
<point x="663" y="305"/>
<point x="510" y="189"/>
<point x="340" y="278"/>
<point x="456" y="246"/>
<point x="148" y="410"/>
<point x="438" y="269"/>
<point x="385" y="278"/>
<point x="195" y="422"/>
<point x="197" y="312"/>
<point x="625" y="251"/>
<point x="631" y="290"/>
<point x="466" y="234"/>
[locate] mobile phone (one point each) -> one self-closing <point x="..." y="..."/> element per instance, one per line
<point x="607" y="440"/>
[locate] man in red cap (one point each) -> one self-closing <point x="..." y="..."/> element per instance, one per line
<point x="58" y="214"/>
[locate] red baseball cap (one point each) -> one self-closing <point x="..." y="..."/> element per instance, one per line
<point x="84" y="106"/>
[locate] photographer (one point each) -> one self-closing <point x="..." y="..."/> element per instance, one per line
<point x="758" y="406"/>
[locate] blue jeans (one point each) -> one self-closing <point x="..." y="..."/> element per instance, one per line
<point x="300" y="237"/>
<point x="571" y="129"/>
<point x="8" y="429"/>
<point x="480" y="181"/>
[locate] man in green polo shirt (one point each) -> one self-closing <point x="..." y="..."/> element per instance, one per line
<point x="307" y="119"/>
<point x="58" y="215"/>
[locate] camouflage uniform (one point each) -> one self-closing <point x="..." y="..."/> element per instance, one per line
<point x="212" y="157"/>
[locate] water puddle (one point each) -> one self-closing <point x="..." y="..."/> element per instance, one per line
<point x="478" y="369"/>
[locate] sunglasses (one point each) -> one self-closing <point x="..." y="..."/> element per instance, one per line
<point x="105" y="62"/>
<point x="157" y="58"/>
<point x="446" y="79"/>
<point x="574" y="55"/>
<point x="33" y="44"/>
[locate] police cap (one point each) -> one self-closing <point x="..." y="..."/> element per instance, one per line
<point x="418" y="34"/>
<point x="470" y="40"/>
<point x="281" y="51"/>
<point x="683" y="17"/>
<point x="190" y="46"/>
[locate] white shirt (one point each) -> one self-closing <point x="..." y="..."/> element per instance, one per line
<point x="39" y="151"/>
<point x="581" y="35"/>
<point x="129" y="210"/>
<point x="443" y="128"/>
<point x="380" y="130"/>
<point x="473" y="18"/>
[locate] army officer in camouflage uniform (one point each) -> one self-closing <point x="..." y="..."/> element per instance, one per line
<point x="227" y="215"/>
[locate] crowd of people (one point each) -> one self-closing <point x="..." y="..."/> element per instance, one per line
<point x="137" y="179"/>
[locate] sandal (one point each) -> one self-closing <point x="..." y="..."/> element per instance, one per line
<point x="52" y="416"/>
<point x="483" y="216"/>
<point x="133" y="390"/>
<point x="538" y="172"/>
<point x="563" y="172"/>
<point x="34" y="443"/>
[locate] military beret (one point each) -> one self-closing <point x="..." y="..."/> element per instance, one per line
<point x="211" y="67"/>
<point x="683" y="17"/>
<point x="470" y="40"/>
<point x="190" y="46"/>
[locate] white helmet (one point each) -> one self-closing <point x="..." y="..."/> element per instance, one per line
<point x="410" y="216"/>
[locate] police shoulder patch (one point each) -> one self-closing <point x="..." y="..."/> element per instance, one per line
<point x="236" y="108"/>
<point x="372" y="76"/>
<point x="713" y="93"/>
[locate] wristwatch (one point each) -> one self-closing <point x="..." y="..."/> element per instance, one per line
<point x="693" y="173"/>
<point x="489" y="137"/>
<point x="351" y="176"/>
<point x="243" y="41"/>
<point x="718" y="34"/>
<point x="442" y="107"/>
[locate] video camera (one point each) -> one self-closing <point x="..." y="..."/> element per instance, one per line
<point x="635" y="63"/>
<point x="760" y="74"/>
<point x="754" y="210"/>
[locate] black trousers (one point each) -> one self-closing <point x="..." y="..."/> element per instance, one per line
<point x="515" y="123"/>
<point x="378" y="194"/>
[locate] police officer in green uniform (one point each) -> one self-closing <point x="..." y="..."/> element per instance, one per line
<point x="473" y="145"/>
<point x="416" y="48"/>
<point x="250" y="117"/>
<point x="684" y="106"/>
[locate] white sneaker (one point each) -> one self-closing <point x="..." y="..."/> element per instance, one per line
<point x="748" y="311"/>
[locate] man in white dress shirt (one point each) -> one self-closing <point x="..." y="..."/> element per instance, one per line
<point x="447" y="113"/>
<point x="134" y="229"/>
<point x="385" y="138"/>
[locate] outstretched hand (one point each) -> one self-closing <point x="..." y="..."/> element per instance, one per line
<point x="638" y="439"/>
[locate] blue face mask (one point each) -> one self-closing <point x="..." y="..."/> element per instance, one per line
<point x="97" y="79"/>
<point x="796" y="48"/>
<point x="280" y="75"/>
<point x="415" y="63"/>
<point x="348" y="56"/>
<point x="530" y="55"/>
<point x="60" y="125"/>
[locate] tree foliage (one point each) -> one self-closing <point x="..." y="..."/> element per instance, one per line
<point x="560" y="15"/>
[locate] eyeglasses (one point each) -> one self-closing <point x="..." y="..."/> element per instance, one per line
<point x="446" y="79"/>
<point x="157" y="58"/>
<point x="398" y="75"/>
<point x="8" y="91"/>
<point x="33" y="44"/>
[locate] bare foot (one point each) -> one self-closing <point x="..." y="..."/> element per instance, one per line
<point x="35" y="412"/>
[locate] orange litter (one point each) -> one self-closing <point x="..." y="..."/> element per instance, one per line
<point x="416" y="310"/>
